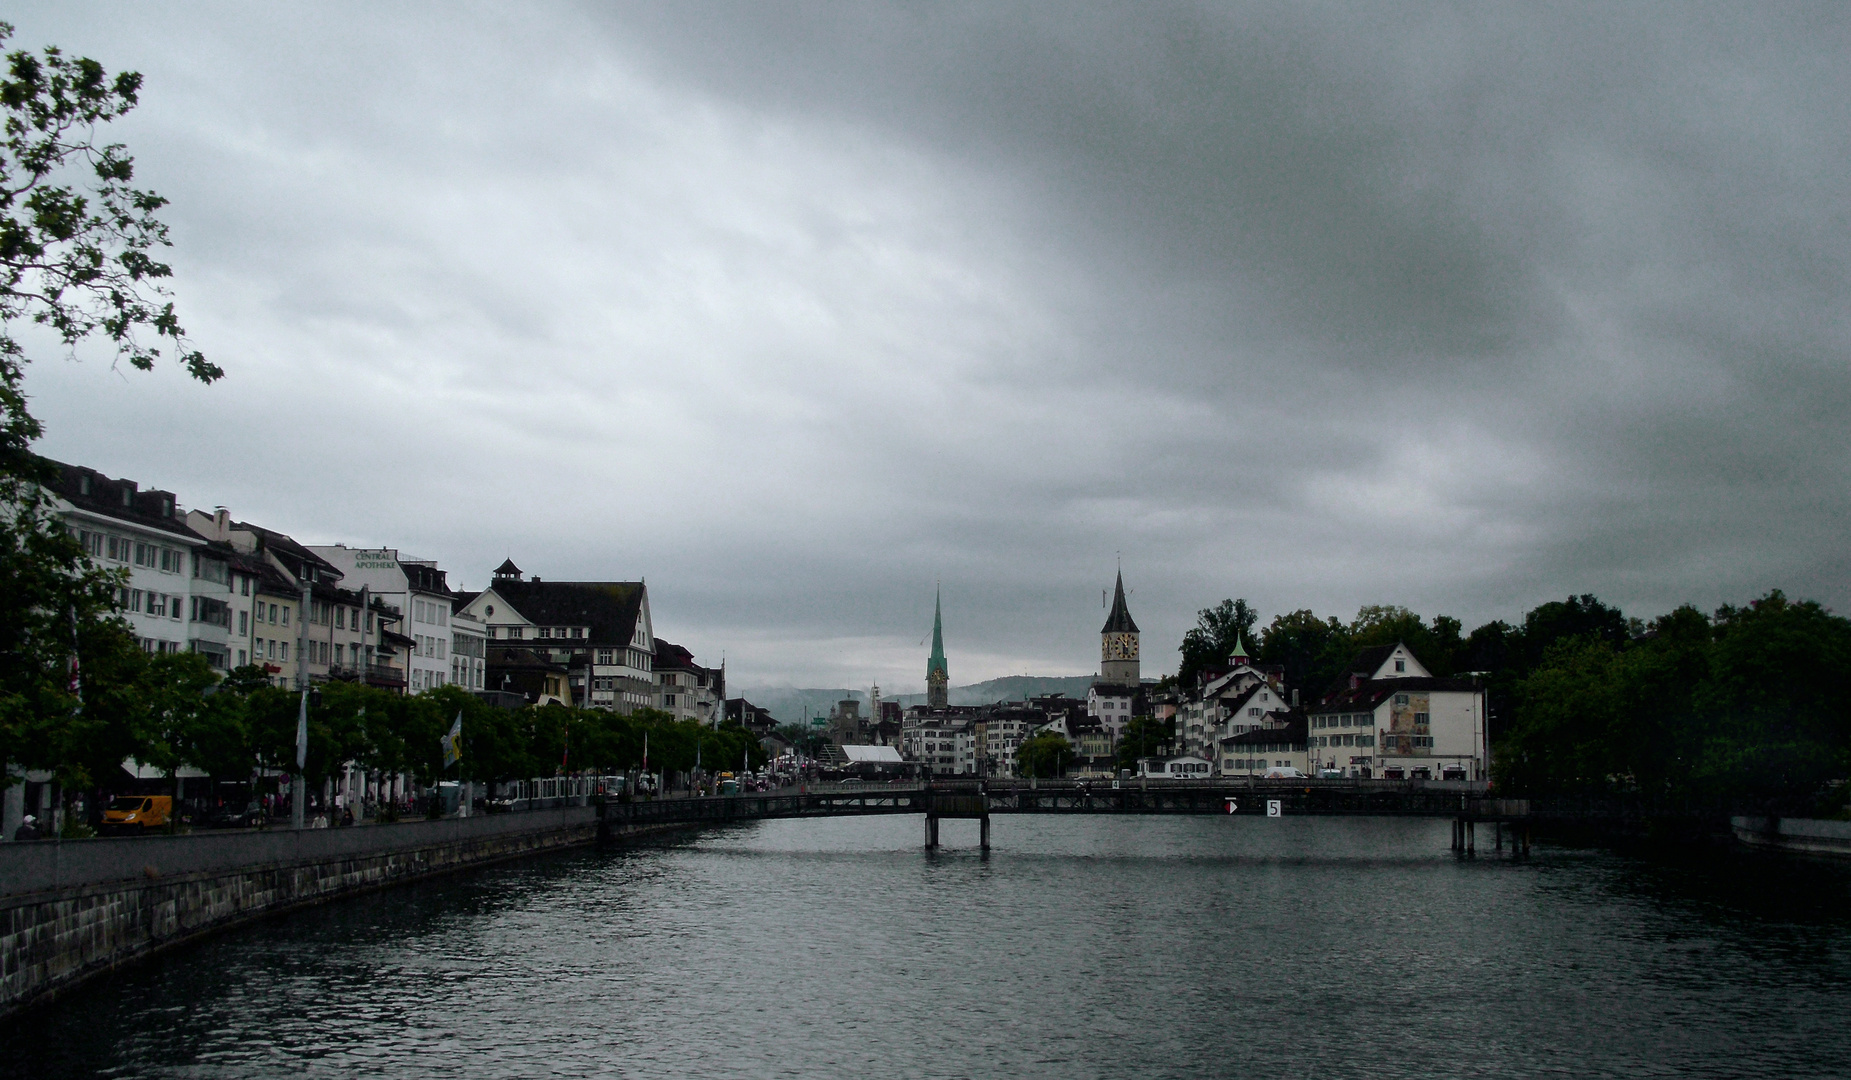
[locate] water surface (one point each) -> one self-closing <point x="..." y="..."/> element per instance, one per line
<point x="1112" y="947"/>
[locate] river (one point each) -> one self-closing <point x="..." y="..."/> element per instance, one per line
<point x="1100" y="946"/>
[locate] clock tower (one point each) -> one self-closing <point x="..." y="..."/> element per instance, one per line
<point x="1118" y="642"/>
<point x="938" y="678"/>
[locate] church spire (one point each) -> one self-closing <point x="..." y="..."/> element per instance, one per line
<point x="938" y="677"/>
<point x="1119" y="622"/>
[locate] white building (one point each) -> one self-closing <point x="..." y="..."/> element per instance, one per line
<point x="947" y="749"/>
<point x="1392" y="719"/>
<point x="416" y="589"/>
<point x="600" y="631"/>
<point x="144" y="533"/>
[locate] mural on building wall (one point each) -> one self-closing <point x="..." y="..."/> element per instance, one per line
<point x="1408" y="730"/>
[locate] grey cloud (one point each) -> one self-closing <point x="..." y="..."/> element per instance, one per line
<point x="797" y="308"/>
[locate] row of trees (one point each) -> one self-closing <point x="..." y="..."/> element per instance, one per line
<point x="171" y="710"/>
<point x="1750" y="701"/>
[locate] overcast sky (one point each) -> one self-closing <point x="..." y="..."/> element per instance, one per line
<point x="795" y="310"/>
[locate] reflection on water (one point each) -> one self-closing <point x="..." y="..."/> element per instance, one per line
<point x="1087" y="946"/>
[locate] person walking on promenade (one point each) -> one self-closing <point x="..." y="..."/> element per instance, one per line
<point x="28" y="829"/>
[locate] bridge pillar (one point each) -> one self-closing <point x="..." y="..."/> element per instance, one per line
<point x="1471" y="838"/>
<point x="983" y="832"/>
<point x="931" y="827"/>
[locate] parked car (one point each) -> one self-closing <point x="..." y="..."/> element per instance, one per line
<point x="233" y="816"/>
<point x="1284" y="772"/>
<point x="137" y="814"/>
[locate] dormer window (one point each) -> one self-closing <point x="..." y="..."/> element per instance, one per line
<point x="546" y="632"/>
<point x="83" y="485"/>
<point x="578" y="631"/>
<point x="1401" y="665"/>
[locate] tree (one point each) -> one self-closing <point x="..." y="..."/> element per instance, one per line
<point x="1145" y="736"/>
<point x="77" y="247"/>
<point x="1311" y="650"/>
<point x="1212" y="640"/>
<point x="1043" y="754"/>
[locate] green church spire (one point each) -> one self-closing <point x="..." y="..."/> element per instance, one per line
<point x="937" y="663"/>
<point x="938" y="676"/>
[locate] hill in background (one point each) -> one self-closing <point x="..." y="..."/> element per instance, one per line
<point x="788" y="704"/>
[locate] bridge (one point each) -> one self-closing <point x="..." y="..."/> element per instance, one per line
<point x="1466" y="804"/>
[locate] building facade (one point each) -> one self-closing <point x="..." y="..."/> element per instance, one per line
<point x="600" y="631"/>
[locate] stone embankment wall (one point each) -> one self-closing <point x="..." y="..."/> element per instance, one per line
<point x="1809" y="835"/>
<point x="70" y="910"/>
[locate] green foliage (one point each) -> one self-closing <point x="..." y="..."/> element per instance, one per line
<point x="1755" y="702"/>
<point x="1144" y="736"/>
<point x="76" y="257"/>
<point x="77" y="241"/>
<point x="1212" y="639"/>
<point x="1044" y="754"/>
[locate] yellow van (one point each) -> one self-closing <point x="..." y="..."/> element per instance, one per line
<point x="137" y="813"/>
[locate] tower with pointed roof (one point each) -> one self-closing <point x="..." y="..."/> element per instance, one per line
<point x="1118" y="642"/>
<point x="938" y="678"/>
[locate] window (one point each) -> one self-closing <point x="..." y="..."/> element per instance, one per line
<point x="284" y="650"/>
<point x="1401" y="699"/>
<point x="607" y="656"/>
<point x="514" y="633"/>
<point x="340" y="618"/>
<point x="1420" y="718"/>
<point x="339" y="650"/>
<point x="1401" y="665"/>
<point x="244" y="585"/>
<point x="241" y="660"/>
<point x="244" y="624"/>
<point x="545" y="632"/>
<point x="285" y="615"/>
<point x="92" y="542"/>
<point x="172" y="561"/>
<point x="1253" y="712"/>
<point x="578" y="631"/>
<point x="134" y="603"/>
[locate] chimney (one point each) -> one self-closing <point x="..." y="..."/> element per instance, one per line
<point x="1355" y="679"/>
<point x="221" y="521"/>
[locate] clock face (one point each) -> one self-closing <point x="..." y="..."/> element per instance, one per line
<point x="1121" y="647"/>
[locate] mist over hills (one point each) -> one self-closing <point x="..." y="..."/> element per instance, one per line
<point x="789" y="704"/>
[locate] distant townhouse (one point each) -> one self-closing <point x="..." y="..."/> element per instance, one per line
<point x="599" y="631"/>
<point x="417" y="589"/>
<point x="144" y="534"/>
<point x="1274" y="746"/>
<point x="1388" y="717"/>
<point x="294" y="615"/>
<point x="1008" y="724"/>
<point x="686" y="689"/>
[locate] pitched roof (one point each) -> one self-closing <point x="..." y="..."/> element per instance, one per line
<point x="1119" y="622"/>
<point x="1372" y="692"/>
<point x="609" y="608"/>
<point x="1292" y="732"/>
<point x="120" y="499"/>
<point x="671" y="655"/>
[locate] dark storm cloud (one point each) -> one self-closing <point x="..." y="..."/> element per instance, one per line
<point x="799" y="308"/>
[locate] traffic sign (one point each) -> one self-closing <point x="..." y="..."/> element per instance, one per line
<point x="1273" y="808"/>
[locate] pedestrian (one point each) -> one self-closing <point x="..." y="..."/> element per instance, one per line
<point x="28" y="829"/>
